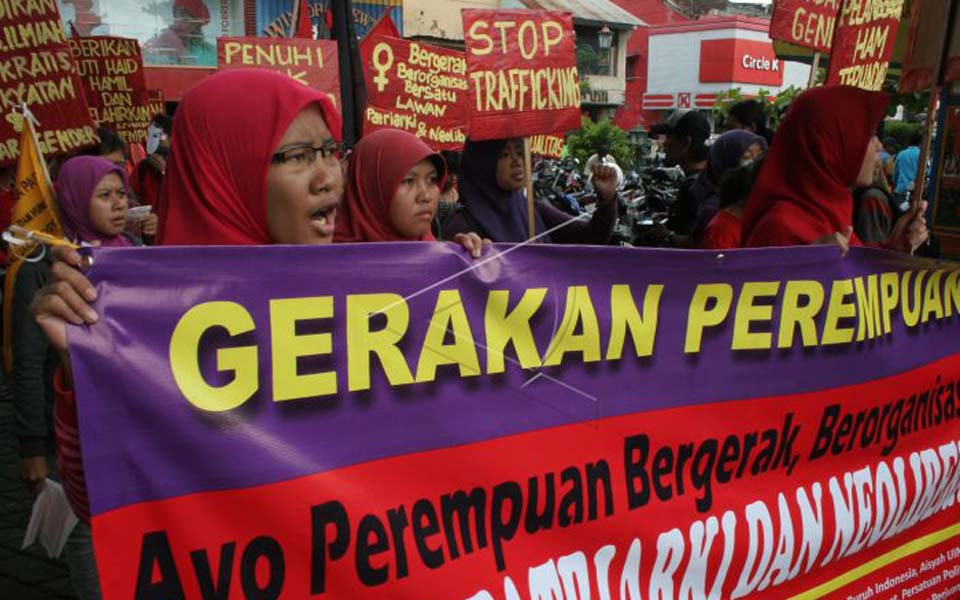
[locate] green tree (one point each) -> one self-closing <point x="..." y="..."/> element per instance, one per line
<point x="587" y="59"/>
<point x="584" y="143"/>
<point x="914" y="104"/>
<point x="774" y="108"/>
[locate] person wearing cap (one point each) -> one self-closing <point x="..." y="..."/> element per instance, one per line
<point x="686" y="133"/>
<point x="182" y="43"/>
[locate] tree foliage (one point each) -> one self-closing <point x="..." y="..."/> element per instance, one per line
<point x="774" y="107"/>
<point x="584" y="143"/>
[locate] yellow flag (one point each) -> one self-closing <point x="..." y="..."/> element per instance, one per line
<point x="34" y="208"/>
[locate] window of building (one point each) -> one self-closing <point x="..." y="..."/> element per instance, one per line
<point x="591" y="60"/>
<point x="171" y="32"/>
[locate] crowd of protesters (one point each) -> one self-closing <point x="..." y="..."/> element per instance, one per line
<point x="283" y="178"/>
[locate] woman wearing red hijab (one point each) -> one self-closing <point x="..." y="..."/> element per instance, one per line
<point x="273" y="179"/>
<point x="236" y="180"/>
<point x="825" y="146"/>
<point x="393" y="191"/>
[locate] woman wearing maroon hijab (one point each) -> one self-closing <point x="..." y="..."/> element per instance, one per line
<point x="823" y="148"/>
<point x="393" y="191"/>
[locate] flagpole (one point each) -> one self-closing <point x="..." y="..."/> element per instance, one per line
<point x="531" y="201"/>
<point x="814" y="70"/>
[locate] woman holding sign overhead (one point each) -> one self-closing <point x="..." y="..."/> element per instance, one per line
<point x="491" y="186"/>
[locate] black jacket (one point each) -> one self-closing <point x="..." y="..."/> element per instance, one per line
<point x="34" y="362"/>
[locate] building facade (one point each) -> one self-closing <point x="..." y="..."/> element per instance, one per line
<point x="690" y="63"/>
<point x="666" y="68"/>
<point x="179" y="37"/>
<point x="439" y="22"/>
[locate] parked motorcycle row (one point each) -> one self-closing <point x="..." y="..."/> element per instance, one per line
<point x="645" y="198"/>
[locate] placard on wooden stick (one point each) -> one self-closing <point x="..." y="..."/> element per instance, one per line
<point x="113" y="81"/>
<point x="40" y="72"/>
<point x="863" y="43"/>
<point x="522" y="70"/>
<point x="805" y="23"/>
<point x="416" y="87"/>
<point x="311" y="62"/>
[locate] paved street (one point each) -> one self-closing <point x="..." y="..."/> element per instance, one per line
<point x="24" y="574"/>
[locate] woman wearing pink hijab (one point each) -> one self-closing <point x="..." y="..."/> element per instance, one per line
<point x="92" y="194"/>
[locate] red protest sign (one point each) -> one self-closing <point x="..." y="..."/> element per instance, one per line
<point x="806" y="23"/>
<point x="112" y="72"/>
<point x="863" y="43"/>
<point x="311" y="62"/>
<point x="522" y="70"/>
<point x="36" y="69"/>
<point x="154" y="99"/>
<point x="417" y="88"/>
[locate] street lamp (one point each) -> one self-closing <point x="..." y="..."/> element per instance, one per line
<point x="605" y="38"/>
<point x="605" y="41"/>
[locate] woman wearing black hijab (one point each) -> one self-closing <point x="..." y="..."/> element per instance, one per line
<point x="491" y="186"/>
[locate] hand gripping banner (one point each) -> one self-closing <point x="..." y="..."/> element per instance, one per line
<point x="318" y="422"/>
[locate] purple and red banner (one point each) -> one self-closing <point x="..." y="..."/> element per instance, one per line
<point x="863" y="43"/>
<point x="522" y="70"/>
<point x="37" y="70"/>
<point x="416" y="87"/>
<point x="311" y="62"/>
<point x="547" y="423"/>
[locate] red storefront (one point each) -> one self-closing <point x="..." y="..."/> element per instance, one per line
<point x="686" y="64"/>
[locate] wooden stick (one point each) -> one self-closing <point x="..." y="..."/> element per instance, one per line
<point x="814" y="69"/>
<point x="941" y="60"/>
<point x="531" y="201"/>
<point x="921" y="180"/>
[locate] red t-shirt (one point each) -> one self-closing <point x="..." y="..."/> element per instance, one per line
<point x="146" y="183"/>
<point x="723" y="232"/>
<point x="69" y="457"/>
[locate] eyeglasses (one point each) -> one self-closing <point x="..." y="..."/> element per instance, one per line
<point x="305" y="156"/>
